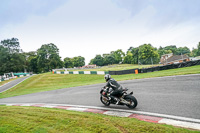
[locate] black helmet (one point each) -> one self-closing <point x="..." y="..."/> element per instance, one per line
<point x="107" y="77"/>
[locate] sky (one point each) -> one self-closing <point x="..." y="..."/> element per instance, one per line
<point x="90" y="27"/>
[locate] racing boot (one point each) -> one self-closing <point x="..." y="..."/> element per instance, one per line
<point x="117" y="101"/>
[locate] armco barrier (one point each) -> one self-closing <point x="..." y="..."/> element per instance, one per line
<point x="132" y="71"/>
<point x="171" y="66"/>
<point x="8" y="76"/>
<point x="157" y="68"/>
<point x="81" y="72"/>
<point x="21" y="74"/>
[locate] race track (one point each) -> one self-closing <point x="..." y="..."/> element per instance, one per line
<point x="175" y="95"/>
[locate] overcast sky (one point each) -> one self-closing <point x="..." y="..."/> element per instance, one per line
<point x="89" y="27"/>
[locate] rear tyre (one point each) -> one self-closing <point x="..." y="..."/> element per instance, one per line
<point x="132" y="100"/>
<point x="105" y="101"/>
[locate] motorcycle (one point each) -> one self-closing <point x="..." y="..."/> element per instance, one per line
<point x="125" y="99"/>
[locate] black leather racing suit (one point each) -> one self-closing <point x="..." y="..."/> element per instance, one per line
<point x="116" y="87"/>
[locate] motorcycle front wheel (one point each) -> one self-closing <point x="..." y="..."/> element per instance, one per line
<point x="132" y="100"/>
<point x="105" y="101"/>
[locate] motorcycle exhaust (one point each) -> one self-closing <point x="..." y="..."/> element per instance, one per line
<point x="124" y="102"/>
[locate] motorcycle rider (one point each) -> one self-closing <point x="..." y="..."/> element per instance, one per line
<point x="116" y="88"/>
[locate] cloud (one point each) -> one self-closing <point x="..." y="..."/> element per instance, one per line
<point x="167" y="12"/>
<point x="13" y="12"/>
<point x="90" y="27"/>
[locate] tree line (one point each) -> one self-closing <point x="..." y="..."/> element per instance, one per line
<point x="143" y="54"/>
<point x="46" y="58"/>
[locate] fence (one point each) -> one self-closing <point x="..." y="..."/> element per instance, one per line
<point x="132" y="71"/>
<point x="81" y="72"/>
<point x="157" y="68"/>
<point x="8" y="76"/>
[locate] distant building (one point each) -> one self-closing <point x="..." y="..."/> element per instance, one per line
<point x="89" y="66"/>
<point x="173" y="59"/>
<point x="164" y="58"/>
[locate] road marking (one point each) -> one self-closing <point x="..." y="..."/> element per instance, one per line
<point x="77" y="109"/>
<point x="144" y="116"/>
<point x="95" y="111"/>
<point x="180" y="123"/>
<point x="116" y="113"/>
<point x="62" y="107"/>
<point x="14" y="85"/>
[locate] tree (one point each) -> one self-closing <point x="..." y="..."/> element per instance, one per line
<point x="132" y="56"/>
<point x="198" y="49"/>
<point x="11" y="58"/>
<point x="98" y="60"/>
<point x="78" y="61"/>
<point x="118" y="56"/>
<point x="108" y="59"/>
<point x="183" y="50"/>
<point x="173" y="48"/>
<point x="4" y="59"/>
<point x="128" y="59"/>
<point x="48" y="58"/>
<point x="91" y="62"/>
<point x="135" y="52"/>
<point x="68" y="63"/>
<point x="55" y="61"/>
<point x="162" y="51"/>
<point x="33" y="64"/>
<point x="17" y="62"/>
<point x="12" y="45"/>
<point x="147" y="54"/>
<point x="74" y="62"/>
<point x="28" y="57"/>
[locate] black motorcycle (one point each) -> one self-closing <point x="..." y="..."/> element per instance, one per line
<point x="125" y="99"/>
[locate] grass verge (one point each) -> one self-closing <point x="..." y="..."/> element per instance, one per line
<point x="42" y="120"/>
<point x="49" y="81"/>
<point x="117" y="67"/>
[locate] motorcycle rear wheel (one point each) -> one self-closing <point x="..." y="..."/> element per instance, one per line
<point x="105" y="101"/>
<point x="132" y="100"/>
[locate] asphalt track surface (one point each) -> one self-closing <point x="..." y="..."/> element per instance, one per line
<point x="12" y="83"/>
<point x="174" y="95"/>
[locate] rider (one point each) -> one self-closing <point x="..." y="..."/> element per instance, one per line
<point x="116" y="87"/>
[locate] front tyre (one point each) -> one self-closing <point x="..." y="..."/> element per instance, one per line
<point x="105" y="101"/>
<point x="132" y="101"/>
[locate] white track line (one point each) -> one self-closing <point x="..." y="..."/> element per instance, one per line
<point x="180" y="121"/>
<point x="15" y="84"/>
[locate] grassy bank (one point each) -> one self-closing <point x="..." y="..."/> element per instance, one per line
<point x="49" y="81"/>
<point x="42" y="120"/>
<point x="117" y="67"/>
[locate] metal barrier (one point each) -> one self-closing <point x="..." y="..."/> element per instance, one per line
<point x="157" y="68"/>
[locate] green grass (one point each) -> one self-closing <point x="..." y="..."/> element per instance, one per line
<point x="42" y="120"/>
<point x="170" y="72"/>
<point x="49" y="81"/>
<point x="117" y="67"/>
